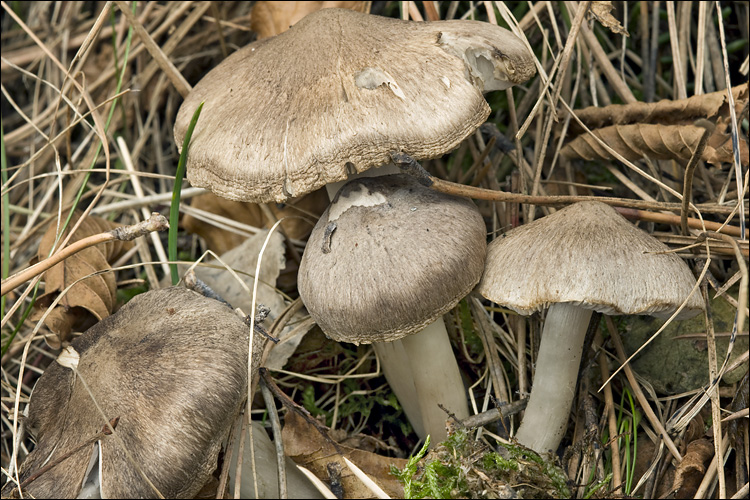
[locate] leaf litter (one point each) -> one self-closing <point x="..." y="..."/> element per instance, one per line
<point x="44" y="175"/>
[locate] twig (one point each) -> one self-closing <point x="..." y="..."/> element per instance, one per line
<point x="156" y="222"/>
<point x="299" y="410"/>
<point x="635" y="214"/>
<point x="277" y="441"/>
<point x="609" y="408"/>
<point x="411" y="167"/>
<point x="494" y="414"/>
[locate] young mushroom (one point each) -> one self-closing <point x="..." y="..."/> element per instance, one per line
<point x="583" y="258"/>
<point x="333" y="97"/>
<point x="172" y="366"/>
<point x="386" y="260"/>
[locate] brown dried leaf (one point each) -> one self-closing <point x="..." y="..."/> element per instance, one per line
<point x="305" y="445"/>
<point x="220" y="240"/>
<point x="659" y="142"/>
<point x="88" y="301"/>
<point x="669" y="112"/>
<point x="602" y="12"/>
<point x="691" y="470"/>
<point x="272" y="18"/>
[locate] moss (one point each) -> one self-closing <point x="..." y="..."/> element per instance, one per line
<point x="461" y="467"/>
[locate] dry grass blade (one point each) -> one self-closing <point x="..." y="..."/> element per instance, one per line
<point x="77" y="74"/>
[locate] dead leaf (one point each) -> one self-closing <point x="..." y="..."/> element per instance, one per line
<point x="272" y="18"/>
<point x="90" y="300"/>
<point x="220" y="240"/>
<point x="602" y="12"/>
<point x="658" y="142"/>
<point x="266" y="470"/>
<point x="244" y="258"/>
<point x="691" y="470"/>
<point x="668" y="112"/>
<point x="305" y="445"/>
<point x="661" y="131"/>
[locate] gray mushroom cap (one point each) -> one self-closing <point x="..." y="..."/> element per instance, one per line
<point x="172" y="365"/>
<point x="589" y="255"/>
<point x="336" y="93"/>
<point x="401" y="255"/>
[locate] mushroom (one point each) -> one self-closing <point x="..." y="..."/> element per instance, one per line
<point x="172" y="365"/>
<point x="583" y="258"/>
<point x="336" y="94"/>
<point x="332" y="98"/>
<point x="384" y="262"/>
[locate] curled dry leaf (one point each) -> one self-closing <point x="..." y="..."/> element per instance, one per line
<point x="88" y="301"/>
<point x="662" y="130"/>
<point x="658" y="142"/>
<point x="602" y="12"/>
<point x="691" y="470"/>
<point x="304" y="444"/>
<point x="272" y="18"/>
<point x="669" y="112"/>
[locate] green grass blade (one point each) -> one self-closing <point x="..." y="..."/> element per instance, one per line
<point x="174" y="209"/>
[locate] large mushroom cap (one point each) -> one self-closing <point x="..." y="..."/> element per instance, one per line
<point x="589" y="255"/>
<point x="172" y="365"/>
<point x="401" y="255"/>
<point x="336" y="93"/>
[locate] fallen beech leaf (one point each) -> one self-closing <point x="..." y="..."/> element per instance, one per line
<point x="658" y="142"/>
<point x="602" y="12"/>
<point x="663" y="131"/>
<point x="304" y="444"/>
<point x="90" y="300"/>
<point x="220" y="240"/>
<point x="669" y="112"/>
<point x="271" y="18"/>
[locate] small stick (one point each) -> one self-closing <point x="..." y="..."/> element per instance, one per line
<point x="301" y="411"/>
<point x="276" y="426"/>
<point x="156" y="222"/>
<point x="633" y="213"/>
<point x="609" y="405"/>
<point x="409" y="166"/>
<point x="494" y="414"/>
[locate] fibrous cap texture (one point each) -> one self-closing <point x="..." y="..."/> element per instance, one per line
<point x="589" y="255"/>
<point x="335" y="94"/>
<point x="400" y="256"/>
<point x="172" y="365"/>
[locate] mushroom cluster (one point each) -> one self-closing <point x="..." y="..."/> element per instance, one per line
<point x="334" y="97"/>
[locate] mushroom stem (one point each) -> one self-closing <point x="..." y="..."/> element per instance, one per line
<point x="420" y="368"/>
<point x="554" y="386"/>
<point x="436" y="378"/>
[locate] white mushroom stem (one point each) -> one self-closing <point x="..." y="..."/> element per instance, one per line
<point x="554" y="385"/>
<point x="421" y="368"/>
